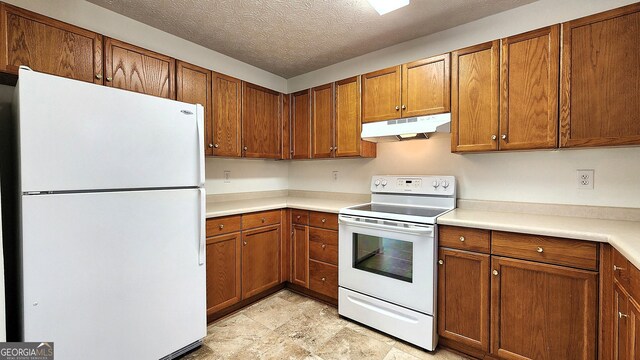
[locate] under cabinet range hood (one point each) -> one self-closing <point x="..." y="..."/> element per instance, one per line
<point x="406" y="129"/>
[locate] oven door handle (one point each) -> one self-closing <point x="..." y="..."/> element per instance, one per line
<point x="412" y="229"/>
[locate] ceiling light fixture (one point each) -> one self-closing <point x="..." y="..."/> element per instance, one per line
<point x="386" y="6"/>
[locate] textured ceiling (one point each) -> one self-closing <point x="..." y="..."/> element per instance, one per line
<point x="292" y="37"/>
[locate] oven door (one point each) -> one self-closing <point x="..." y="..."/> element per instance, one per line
<point x="389" y="260"/>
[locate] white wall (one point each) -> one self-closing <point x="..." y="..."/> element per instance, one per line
<point x="528" y="17"/>
<point x="246" y="175"/>
<point x="95" y="18"/>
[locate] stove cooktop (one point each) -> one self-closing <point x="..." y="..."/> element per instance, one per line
<point x="400" y="210"/>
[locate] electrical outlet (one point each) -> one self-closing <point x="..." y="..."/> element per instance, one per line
<point x="585" y="179"/>
<point x="227" y="176"/>
<point x="334" y="175"/>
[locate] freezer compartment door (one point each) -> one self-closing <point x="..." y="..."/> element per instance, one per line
<point x="114" y="275"/>
<point x="80" y="136"/>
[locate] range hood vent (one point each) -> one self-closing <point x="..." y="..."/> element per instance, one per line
<point x="406" y="129"/>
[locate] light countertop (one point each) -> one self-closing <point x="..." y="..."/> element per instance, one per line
<point x="216" y="209"/>
<point x="623" y="235"/>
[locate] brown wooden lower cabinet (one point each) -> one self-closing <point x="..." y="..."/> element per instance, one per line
<point x="260" y="254"/>
<point x="300" y="260"/>
<point x="463" y="297"/>
<point x="626" y="309"/>
<point x="223" y="271"/>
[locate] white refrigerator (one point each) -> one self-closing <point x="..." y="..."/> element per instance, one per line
<point x="112" y="220"/>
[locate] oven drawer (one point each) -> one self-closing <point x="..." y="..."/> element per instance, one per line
<point x="465" y="238"/>
<point x="567" y="252"/>
<point x="323" y="278"/>
<point x="223" y="225"/>
<point x="300" y="217"/>
<point x="258" y="219"/>
<point x="323" y="220"/>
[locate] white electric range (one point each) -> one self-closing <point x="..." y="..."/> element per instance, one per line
<point x="387" y="256"/>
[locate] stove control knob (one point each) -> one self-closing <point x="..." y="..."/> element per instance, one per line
<point x="435" y="184"/>
<point x="377" y="182"/>
<point x="384" y="182"/>
<point x="445" y="184"/>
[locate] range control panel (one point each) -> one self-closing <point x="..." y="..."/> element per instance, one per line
<point x="422" y="185"/>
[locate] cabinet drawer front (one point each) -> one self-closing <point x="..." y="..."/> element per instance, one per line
<point x="323" y="220"/>
<point x="620" y="268"/>
<point x="477" y="240"/>
<point x="323" y="252"/>
<point x="300" y="217"/>
<point x="264" y="218"/>
<point x="323" y="278"/>
<point x="329" y="237"/>
<point x="223" y="225"/>
<point x="576" y="253"/>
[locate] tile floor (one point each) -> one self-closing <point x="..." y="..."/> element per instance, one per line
<point x="286" y="325"/>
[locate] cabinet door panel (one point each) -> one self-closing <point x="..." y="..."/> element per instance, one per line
<point x="541" y="311"/>
<point x="322" y="121"/>
<point x="301" y="125"/>
<point x="426" y="86"/>
<point x="227" y="126"/>
<point x="132" y="68"/>
<point x="474" y="98"/>
<point x="261" y="122"/>
<point x="286" y="127"/>
<point x="600" y="95"/>
<point x="193" y="85"/>
<point x="223" y="271"/>
<point x="260" y="260"/>
<point x="634" y="330"/>
<point x="381" y="95"/>
<point x="620" y="328"/>
<point x="463" y="297"/>
<point x="300" y="254"/>
<point x="529" y="91"/>
<point x="48" y="46"/>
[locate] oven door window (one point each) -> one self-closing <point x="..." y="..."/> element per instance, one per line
<point x="383" y="256"/>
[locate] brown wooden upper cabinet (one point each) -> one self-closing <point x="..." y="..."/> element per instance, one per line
<point x="529" y="75"/>
<point x="600" y="99"/>
<point x="227" y="121"/>
<point x="286" y="127"/>
<point x="381" y="95"/>
<point x="261" y="128"/>
<point x="348" y="123"/>
<point x="301" y="125"/>
<point x="322" y="116"/>
<point x="474" y="97"/>
<point x="193" y="85"/>
<point x="48" y="46"/>
<point x="133" y="68"/>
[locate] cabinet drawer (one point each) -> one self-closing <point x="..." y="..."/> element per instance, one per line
<point x="462" y="238"/>
<point x="576" y="253"/>
<point x="264" y="218"/>
<point x="323" y="278"/>
<point x="223" y="225"/>
<point x="323" y="245"/>
<point x="300" y="217"/>
<point x="621" y="268"/>
<point x="323" y="220"/>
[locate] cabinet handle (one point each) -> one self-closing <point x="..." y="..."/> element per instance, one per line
<point x="324" y="246"/>
<point x="216" y="146"/>
<point x="495" y="272"/>
<point x="109" y="78"/>
<point x="298" y="217"/>
<point x="210" y="145"/>
<point x="493" y="137"/>
<point x="397" y="108"/>
<point x="440" y="262"/>
<point x="221" y="226"/>
<point x="621" y="315"/>
<point x="263" y="219"/>
<point x="291" y="151"/>
<point x="244" y="148"/>
<point x="335" y="148"/>
<point x="323" y="220"/>
<point x="244" y="243"/>
<point x="540" y="250"/>
<point x="462" y="238"/>
<point x="323" y="279"/>
<point x="99" y="76"/>
<point x="504" y="136"/>
<point x="331" y="148"/>
<point x="616" y="268"/>
<point x="404" y="107"/>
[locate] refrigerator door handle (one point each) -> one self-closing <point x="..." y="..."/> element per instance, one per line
<point x="200" y="125"/>
<point x="203" y="226"/>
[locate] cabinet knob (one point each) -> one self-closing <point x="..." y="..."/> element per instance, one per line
<point x="221" y="226"/>
<point x="397" y="108"/>
<point x="504" y="136"/>
<point x="263" y="219"/>
<point x="404" y="107"/>
<point x="495" y="272"/>
<point x="244" y="243"/>
<point x="324" y="246"/>
<point x="462" y="238"/>
<point x="244" y="148"/>
<point x="298" y="217"/>
<point x="621" y="315"/>
<point x="216" y="146"/>
<point x="210" y="145"/>
<point x="323" y="220"/>
<point x="323" y="279"/>
<point x="493" y="137"/>
<point x="331" y="148"/>
<point x="440" y="262"/>
<point x="335" y="148"/>
<point x="98" y="76"/>
<point x="540" y="250"/>
<point x="109" y="78"/>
